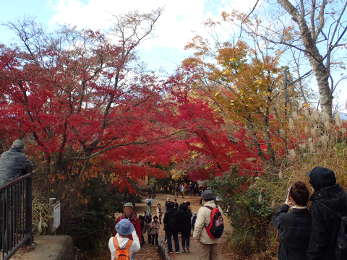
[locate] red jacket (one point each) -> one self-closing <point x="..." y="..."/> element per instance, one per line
<point x="136" y="222"/>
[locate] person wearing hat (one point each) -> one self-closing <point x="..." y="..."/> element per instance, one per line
<point x="208" y="246"/>
<point x="14" y="163"/>
<point x="130" y="214"/>
<point x="120" y="243"/>
<point x="329" y="204"/>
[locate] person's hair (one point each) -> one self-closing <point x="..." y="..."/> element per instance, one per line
<point x="299" y="193"/>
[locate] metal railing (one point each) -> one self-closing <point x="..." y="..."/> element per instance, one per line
<point x="15" y="215"/>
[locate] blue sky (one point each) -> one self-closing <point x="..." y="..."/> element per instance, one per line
<point x="15" y="9"/>
<point x="181" y="20"/>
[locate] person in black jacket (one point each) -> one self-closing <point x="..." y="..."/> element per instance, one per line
<point x="184" y="225"/>
<point x="327" y="200"/>
<point x="170" y="227"/>
<point x="294" y="226"/>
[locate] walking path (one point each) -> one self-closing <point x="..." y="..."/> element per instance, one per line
<point x="194" y="248"/>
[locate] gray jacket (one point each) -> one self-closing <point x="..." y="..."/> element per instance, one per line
<point x="14" y="163"/>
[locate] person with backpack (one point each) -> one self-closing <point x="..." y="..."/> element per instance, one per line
<point x="170" y="227"/>
<point x="329" y="217"/>
<point x="294" y="225"/>
<point x="121" y="246"/>
<point x="184" y="225"/>
<point x="209" y="227"/>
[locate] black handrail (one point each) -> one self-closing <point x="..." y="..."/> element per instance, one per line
<point x="15" y="215"/>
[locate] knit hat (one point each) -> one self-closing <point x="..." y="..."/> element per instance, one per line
<point x="129" y="204"/>
<point x="124" y="227"/>
<point x="208" y="195"/>
<point x="321" y="177"/>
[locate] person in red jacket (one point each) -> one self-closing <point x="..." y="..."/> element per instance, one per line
<point x="129" y="213"/>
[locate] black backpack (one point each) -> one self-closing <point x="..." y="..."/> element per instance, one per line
<point x="341" y="240"/>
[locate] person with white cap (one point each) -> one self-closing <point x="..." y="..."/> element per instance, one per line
<point x="120" y="245"/>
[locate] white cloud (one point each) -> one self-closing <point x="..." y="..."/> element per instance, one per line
<point x="181" y="20"/>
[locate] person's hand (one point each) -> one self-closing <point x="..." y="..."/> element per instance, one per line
<point x="289" y="201"/>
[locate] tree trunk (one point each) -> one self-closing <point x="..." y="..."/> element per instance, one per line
<point x="316" y="60"/>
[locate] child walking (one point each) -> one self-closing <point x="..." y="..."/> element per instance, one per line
<point x="154" y="227"/>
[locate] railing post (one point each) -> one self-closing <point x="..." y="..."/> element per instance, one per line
<point x="29" y="207"/>
<point x="15" y="215"/>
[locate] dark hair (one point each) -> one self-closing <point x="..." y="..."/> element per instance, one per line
<point x="299" y="193"/>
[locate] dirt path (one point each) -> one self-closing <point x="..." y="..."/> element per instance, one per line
<point x="194" y="248"/>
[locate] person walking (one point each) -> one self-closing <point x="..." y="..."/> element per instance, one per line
<point x="208" y="246"/>
<point x="121" y="244"/>
<point x="154" y="227"/>
<point x="184" y="225"/>
<point x="329" y="205"/>
<point x="148" y="220"/>
<point x="294" y="226"/>
<point x="149" y="202"/>
<point x="159" y="212"/>
<point x="170" y="227"/>
<point x="182" y="189"/>
<point x="168" y="200"/>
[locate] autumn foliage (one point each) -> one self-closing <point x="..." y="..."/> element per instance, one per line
<point x="88" y="109"/>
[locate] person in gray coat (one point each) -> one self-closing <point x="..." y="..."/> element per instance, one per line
<point x="14" y="163"/>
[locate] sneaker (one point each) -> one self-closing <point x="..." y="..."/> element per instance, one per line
<point x="170" y="252"/>
<point x="178" y="252"/>
<point x="188" y="251"/>
<point x="184" y="250"/>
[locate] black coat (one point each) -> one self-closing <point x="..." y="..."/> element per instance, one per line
<point x="170" y="220"/>
<point x="184" y="223"/>
<point x="325" y="224"/>
<point x="294" y="228"/>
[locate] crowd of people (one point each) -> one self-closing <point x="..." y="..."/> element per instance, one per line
<point x="318" y="232"/>
<point x="182" y="188"/>
<point x="177" y="221"/>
